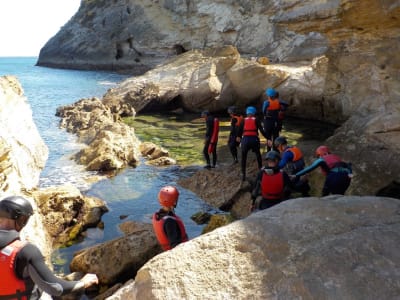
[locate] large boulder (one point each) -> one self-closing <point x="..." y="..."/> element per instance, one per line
<point x="336" y="247"/>
<point x="23" y="155"/>
<point x="111" y="144"/>
<point x="120" y="258"/>
<point x="67" y="213"/>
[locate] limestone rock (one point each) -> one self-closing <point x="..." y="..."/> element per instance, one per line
<point x="66" y="212"/>
<point x="119" y="258"/>
<point x="311" y="248"/>
<point x="111" y="144"/>
<point x="23" y="155"/>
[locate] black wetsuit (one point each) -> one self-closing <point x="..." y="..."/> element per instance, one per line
<point x="233" y="134"/>
<point x="30" y="266"/>
<point x="208" y="135"/>
<point x="250" y="142"/>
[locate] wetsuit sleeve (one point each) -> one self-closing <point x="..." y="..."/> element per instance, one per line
<point x="171" y="229"/>
<point x="240" y="129"/>
<point x="261" y="128"/>
<point x="31" y="258"/>
<point x="286" y="157"/>
<point x="256" y="190"/>
<point x="265" y="106"/>
<point x="317" y="163"/>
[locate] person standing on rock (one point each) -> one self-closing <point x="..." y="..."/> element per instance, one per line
<point x="210" y="139"/>
<point x="234" y="138"/>
<point x="250" y="140"/>
<point x="273" y="183"/>
<point x="270" y="109"/>
<point x="292" y="161"/>
<point x="168" y="227"/>
<point x="338" y="173"/>
<point x="23" y="272"/>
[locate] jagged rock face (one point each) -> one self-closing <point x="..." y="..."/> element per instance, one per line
<point x="312" y="248"/>
<point x="23" y="153"/>
<point x="140" y="34"/>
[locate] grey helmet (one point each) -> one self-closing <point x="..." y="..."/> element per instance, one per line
<point x="15" y="206"/>
<point x="272" y="155"/>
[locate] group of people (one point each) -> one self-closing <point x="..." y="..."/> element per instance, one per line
<point x="24" y="274"/>
<point x="285" y="168"/>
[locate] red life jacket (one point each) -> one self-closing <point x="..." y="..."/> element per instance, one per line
<point x="214" y="137"/>
<point x="272" y="186"/>
<point x="11" y="285"/>
<point x="250" y="127"/>
<point x="297" y="154"/>
<point x="331" y="160"/>
<point x="158" y="226"/>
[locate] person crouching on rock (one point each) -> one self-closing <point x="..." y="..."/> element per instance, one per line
<point x="273" y="183"/>
<point x="168" y="227"/>
<point x="23" y="272"/>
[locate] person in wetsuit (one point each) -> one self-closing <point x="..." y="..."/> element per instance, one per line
<point x="168" y="227"/>
<point x="338" y="173"/>
<point x="250" y="140"/>
<point x="273" y="183"/>
<point x="292" y="161"/>
<point x="234" y="138"/>
<point x="23" y="272"/>
<point x="271" y="109"/>
<point x="210" y="127"/>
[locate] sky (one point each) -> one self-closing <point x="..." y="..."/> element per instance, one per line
<point x="26" y="25"/>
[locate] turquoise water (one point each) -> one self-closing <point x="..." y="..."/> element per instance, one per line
<point x="132" y="192"/>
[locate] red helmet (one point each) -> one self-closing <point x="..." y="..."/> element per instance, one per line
<point x="168" y="196"/>
<point x="321" y="151"/>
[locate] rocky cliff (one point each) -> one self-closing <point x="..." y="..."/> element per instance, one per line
<point x="356" y="83"/>
<point x="23" y="154"/>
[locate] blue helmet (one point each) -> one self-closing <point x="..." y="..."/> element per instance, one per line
<point x="251" y="110"/>
<point x="270" y="92"/>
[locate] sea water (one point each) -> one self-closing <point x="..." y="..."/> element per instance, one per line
<point x="132" y="193"/>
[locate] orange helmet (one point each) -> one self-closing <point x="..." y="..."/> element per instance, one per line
<point x="321" y="151"/>
<point x="168" y="196"/>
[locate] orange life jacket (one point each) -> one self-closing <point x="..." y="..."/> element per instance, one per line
<point x="239" y="120"/>
<point x="297" y="154"/>
<point x="158" y="226"/>
<point x="272" y="186"/>
<point x="11" y="285"/>
<point x="250" y="127"/>
<point x="274" y="104"/>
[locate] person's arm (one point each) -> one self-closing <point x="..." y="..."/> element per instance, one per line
<point x="31" y="257"/>
<point x="261" y="128"/>
<point x="256" y="190"/>
<point x="173" y="232"/>
<point x="318" y="162"/>
<point x="240" y="129"/>
<point x="265" y="106"/>
<point x="286" y="157"/>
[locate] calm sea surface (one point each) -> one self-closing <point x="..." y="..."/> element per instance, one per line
<point x="133" y="192"/>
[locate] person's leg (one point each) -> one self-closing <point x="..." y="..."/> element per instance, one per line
<point x="268" y="126"/>
<point x="340" y="184"/>
<point x="257" y="151"/>
<point x="206" y="155"/>
<point x="214" y="155"/>
<point x="244" y="157"/>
